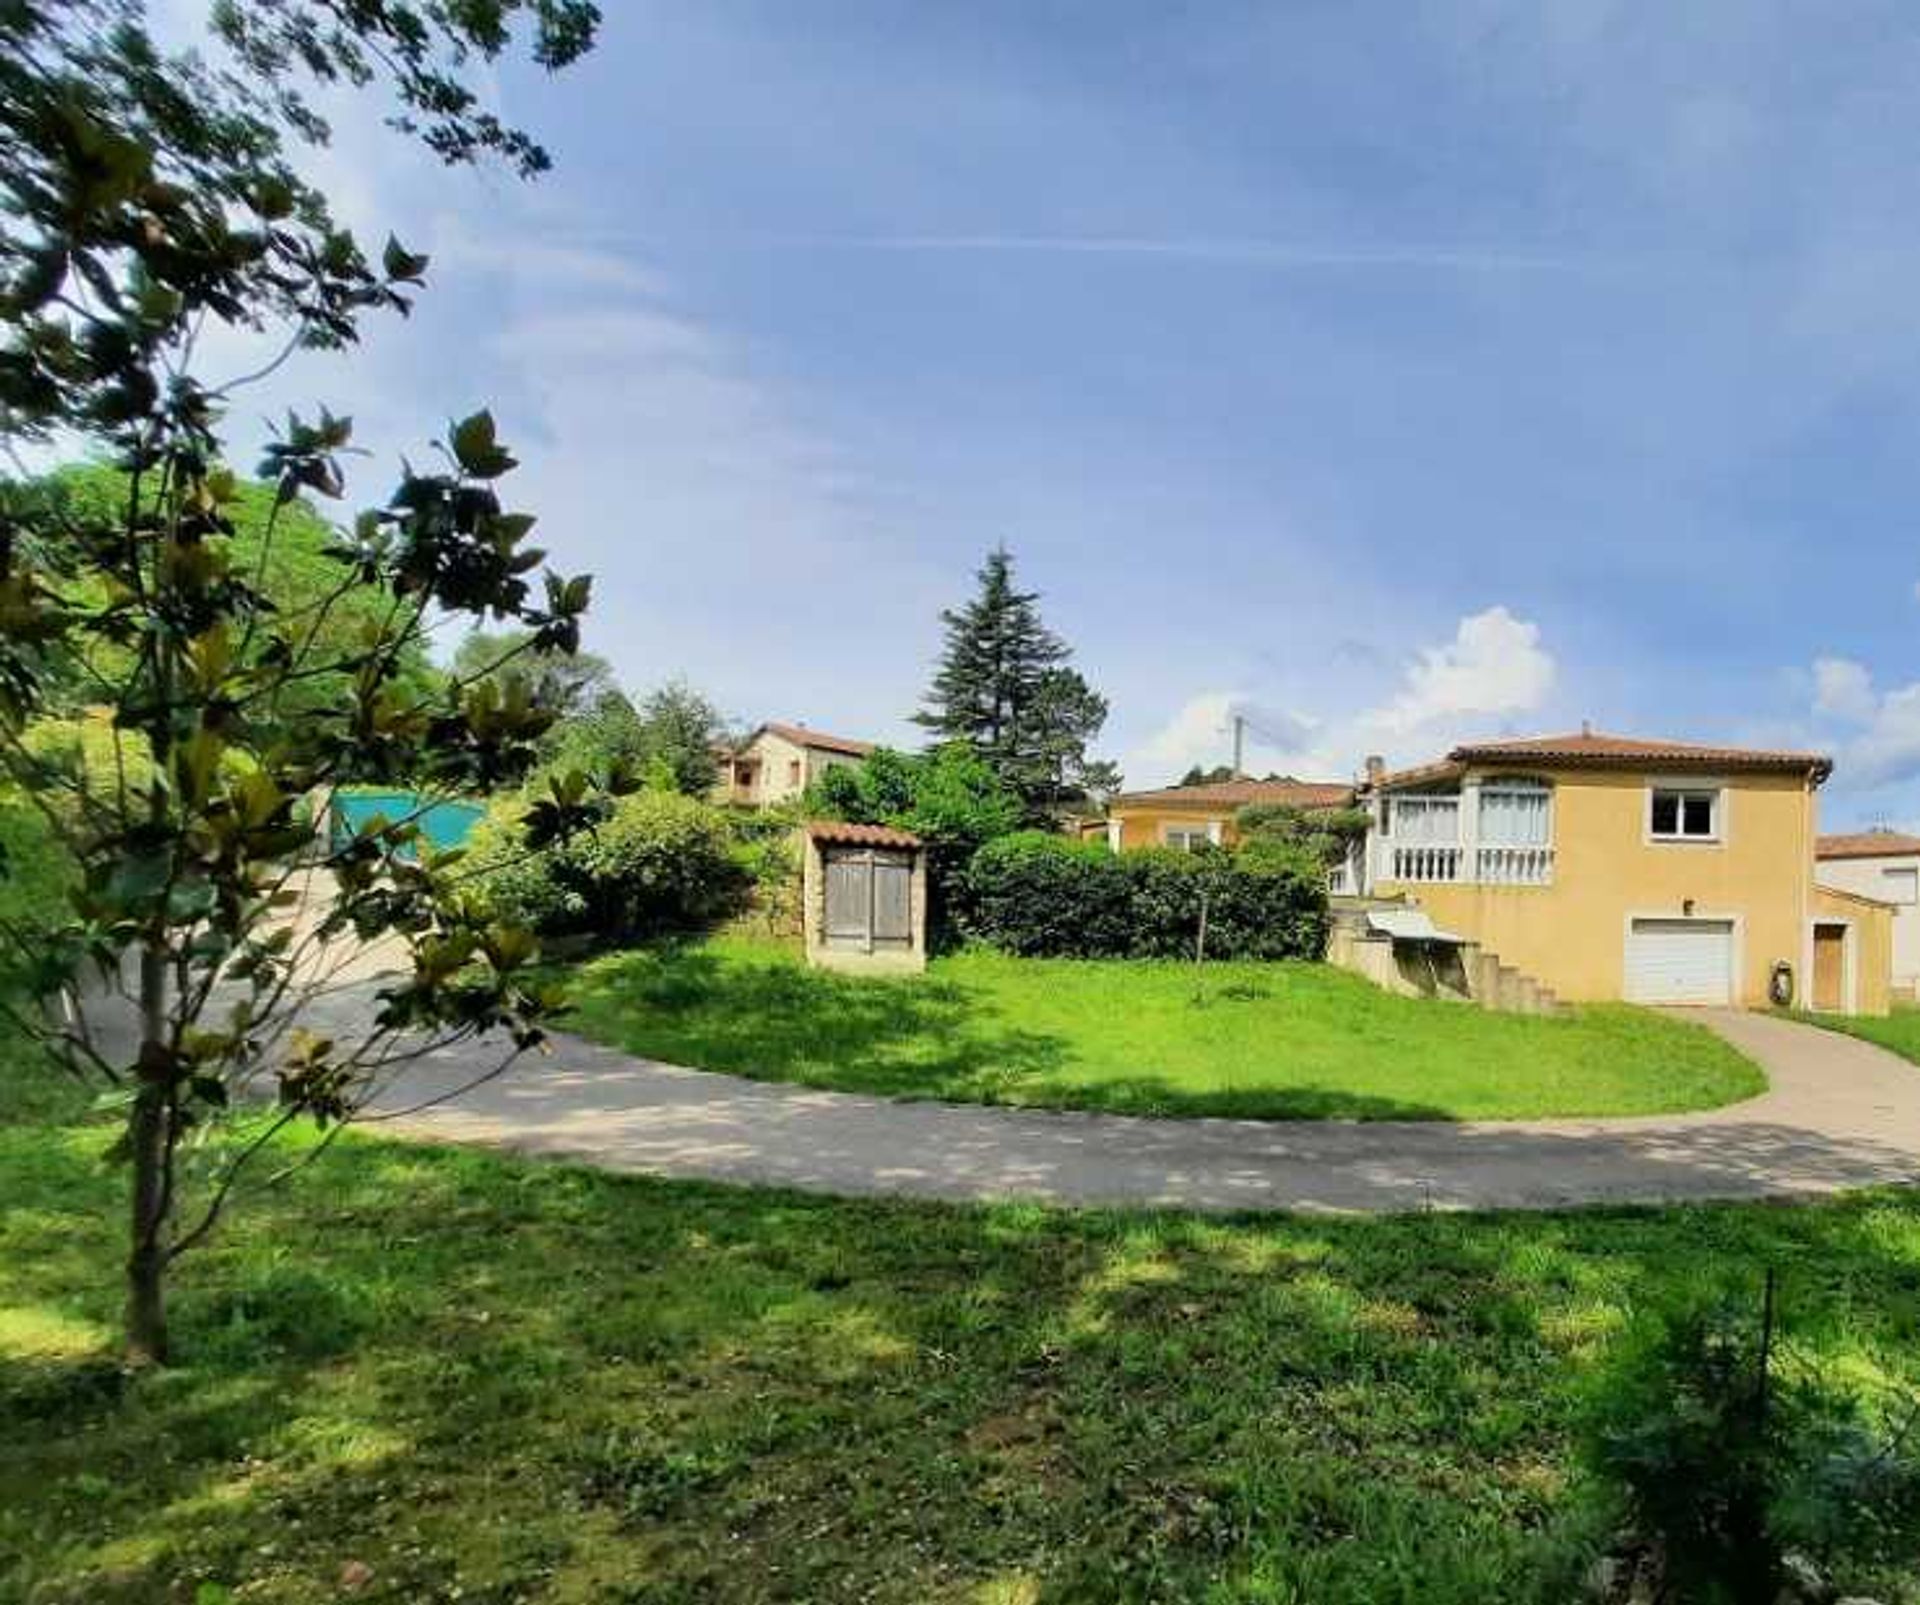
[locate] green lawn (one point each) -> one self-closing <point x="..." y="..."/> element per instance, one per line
<point x="1274" y="1041"/>
<point x="1899" y="1031"/>
<point x="506" y="1381"/>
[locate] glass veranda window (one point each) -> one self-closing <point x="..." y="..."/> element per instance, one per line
<point x="1516" y="813"/>
<point x="1418" y="821"/>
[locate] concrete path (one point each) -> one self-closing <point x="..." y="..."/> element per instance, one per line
<point x="1839" y="1113"/>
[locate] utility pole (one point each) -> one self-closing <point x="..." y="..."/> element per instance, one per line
<point x="1239" y="743"/>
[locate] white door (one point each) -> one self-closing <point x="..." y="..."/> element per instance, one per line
<point x="1680" y="961"/>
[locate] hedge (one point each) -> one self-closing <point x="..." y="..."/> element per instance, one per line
<point x="1040" y="895"/>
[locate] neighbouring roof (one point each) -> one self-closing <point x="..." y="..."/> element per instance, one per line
<point x="1593" y="749"/>
<point x="1848" y="895"/>
<point x="1218" y="794"/>
<point x="838" y="830"/>
<point x="1868" y="844"/>
<point x="801" y="736"/>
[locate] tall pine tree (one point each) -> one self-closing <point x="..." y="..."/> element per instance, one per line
<point x="1004" y="687"/>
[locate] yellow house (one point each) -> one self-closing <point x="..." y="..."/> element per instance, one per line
<point x="1608" y="868"/>
<point x="1195" y="816"/>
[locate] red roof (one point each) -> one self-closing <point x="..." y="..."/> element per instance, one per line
<point x="1868" y="844"/>
<point x="1593" y="749"/>
<point x="839" y="830"/>
<point x="1285" y="791"/>
<point x="801" y="736"/>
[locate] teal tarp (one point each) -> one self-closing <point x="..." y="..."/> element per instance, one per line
<point x="444" y="824"/>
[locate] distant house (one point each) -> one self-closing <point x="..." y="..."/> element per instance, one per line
<point x="1882" y="864"/>
<point x="779" y="761"/>
<point x="1194" y="816"/>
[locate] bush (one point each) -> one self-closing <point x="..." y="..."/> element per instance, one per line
<point x="1724" y="1459"/>
<point x="661" y="865"/>
<point x="1045" y="896"/>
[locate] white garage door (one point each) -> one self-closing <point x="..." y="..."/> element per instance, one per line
<point x="1680" y="961"/>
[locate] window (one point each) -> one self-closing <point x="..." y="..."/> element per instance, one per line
<point x="1425" y="821"/>
<point x="793" y="772"/>
<point x="1188" y="838"/>
<point x="1900" y="885"/>
<point x="1516" y="813"/>
<point x="1677" y="815"/>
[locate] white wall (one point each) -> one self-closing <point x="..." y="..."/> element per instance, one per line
<point x="1868" y="877"/>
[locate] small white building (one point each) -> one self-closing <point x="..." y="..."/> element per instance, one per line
<point x="779" y="761"/>
<point x="1882" y="864"/>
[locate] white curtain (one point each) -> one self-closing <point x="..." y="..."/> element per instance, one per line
<point x="1426" y="821"/>
<point x="1514" y="815"/>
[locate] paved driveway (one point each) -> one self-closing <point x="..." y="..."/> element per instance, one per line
<point x="1839" y="1113"/>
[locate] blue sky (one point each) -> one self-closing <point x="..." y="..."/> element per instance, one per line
<point x="1391" y="372"/>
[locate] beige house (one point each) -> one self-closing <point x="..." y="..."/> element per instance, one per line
<point x="1605" y="867"/>
<point x="779" y="761"/>
<point x="1882" y="864"/>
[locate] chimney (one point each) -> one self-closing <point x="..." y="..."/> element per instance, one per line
<point x="1376" y="769"/>
<point x="1586" y="727"/>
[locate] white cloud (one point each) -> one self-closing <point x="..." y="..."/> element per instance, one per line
<point x="1884" y="748"/>
<point x="1493" y="665"/>
<point x="1843" y="689"/>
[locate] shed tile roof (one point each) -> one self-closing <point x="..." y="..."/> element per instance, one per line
<point x="1217" y="794"/>
<point x="1593" y="749"/>
<point x="1868" y="844"/>
<point x="839" y="830"/>
<point x="801" y="736"/>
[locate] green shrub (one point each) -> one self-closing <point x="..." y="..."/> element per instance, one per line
<point x="661" y="865"/>
<point x="1044" y="896"/>
<point x="1725" y="1453"/>
<point x="1258" y="906"/>
<point x="1040" y="895"/>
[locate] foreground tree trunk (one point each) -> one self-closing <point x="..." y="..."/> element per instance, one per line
<point x="150" y="1135"/>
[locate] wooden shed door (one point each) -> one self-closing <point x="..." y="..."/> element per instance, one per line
<point x="892" y="900"/>
<point x="849" y="898"/>
<point x="869" y="899"/>
<point x="1829" y="967"/>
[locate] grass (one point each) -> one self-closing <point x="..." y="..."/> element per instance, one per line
<point x="1899" y="1032"/>
<point x="490" y="1380"/>
<point x="1272" y="1041"/>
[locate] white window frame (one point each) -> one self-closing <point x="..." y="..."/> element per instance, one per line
<point x="1907" y="872"/>
<point x="1688" y="786"/>
<point x="1200" y="833"/>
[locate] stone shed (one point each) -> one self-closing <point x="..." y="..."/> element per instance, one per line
<point x="864" y="898"/>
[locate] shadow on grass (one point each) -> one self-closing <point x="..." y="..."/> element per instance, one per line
<point x="912" y="1037"/>
<point x="530" y="1382"/>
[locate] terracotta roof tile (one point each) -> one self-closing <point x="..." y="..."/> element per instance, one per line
<point x="1867" y="844"/>
<point x="839" y="830"/>
<point x="1286" y="791"/>
<point x="1420" y="774"/>
<point x="1592" y="749"/>
<point x="801" y="736"/>
<point x="1595" y="749"/>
